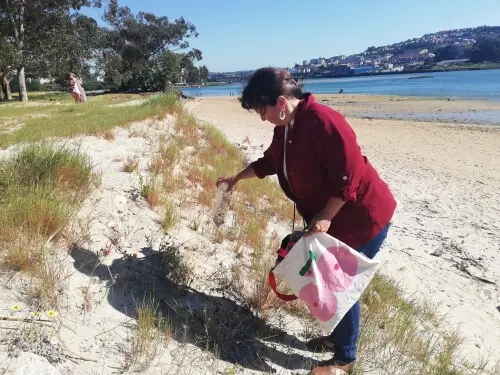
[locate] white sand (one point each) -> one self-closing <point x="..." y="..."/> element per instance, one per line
<point x="446" y="177"/>
<point x="96" y="320"/>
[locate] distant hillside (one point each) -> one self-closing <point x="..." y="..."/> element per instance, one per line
<point x="461" y="38"/>
<point x="476" y="47"/>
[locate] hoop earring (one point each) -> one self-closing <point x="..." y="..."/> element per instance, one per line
<point x="282" y="115"/>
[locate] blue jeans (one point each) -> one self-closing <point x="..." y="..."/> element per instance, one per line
<point x="345" y="334"/>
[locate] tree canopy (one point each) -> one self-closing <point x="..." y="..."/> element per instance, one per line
<point x="486" y="49"/>
<point x="38" y="31"/>
<point x="142" y="51"/>
<point x="50" y="38"/>
<point x="450" y="52"/>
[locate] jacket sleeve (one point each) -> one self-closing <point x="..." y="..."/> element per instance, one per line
<point x="267" y="164"/>
<point x="338" y="152"/>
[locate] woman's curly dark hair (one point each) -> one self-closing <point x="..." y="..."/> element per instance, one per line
<point x="266" y="85"/>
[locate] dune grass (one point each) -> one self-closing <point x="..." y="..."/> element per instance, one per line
<point x="150" y="190"/>
<point x="401" y="335"/>
<point x="41" y="186"/>
<point x="29" y="123"/>
<point x="150" y="332"/>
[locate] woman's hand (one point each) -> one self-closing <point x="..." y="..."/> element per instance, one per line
<point x="322" y="221"/>
<point x="229" y="180"/>
<point x="319" y="224"/>
<point x="248" y="172"/>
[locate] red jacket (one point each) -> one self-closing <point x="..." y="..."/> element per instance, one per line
<point x="323" y="160"/>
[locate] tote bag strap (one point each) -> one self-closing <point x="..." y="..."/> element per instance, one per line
<point x="284" y="297"/>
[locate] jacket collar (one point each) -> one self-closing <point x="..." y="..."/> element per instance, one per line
<point x="305" y="102"/>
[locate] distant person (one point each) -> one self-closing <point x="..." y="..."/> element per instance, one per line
<point x="76" y="89"/>
<point x="341" y="91"/>
<point x="335" y="187"/>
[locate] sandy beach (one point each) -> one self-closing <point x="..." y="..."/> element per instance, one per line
<point x="444" y="246"/>
<point x="445" y="243"/>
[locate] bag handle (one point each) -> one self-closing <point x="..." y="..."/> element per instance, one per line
<point x="284" y="297"/>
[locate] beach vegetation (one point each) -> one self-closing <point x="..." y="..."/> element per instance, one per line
<point x="41" y="186"/>
<point x="150" y="190"/>
<point x="20" y="124"/>
<point x="150" y="334"/>
<point x="169" y="216"/>
<point x="131" y="164"/>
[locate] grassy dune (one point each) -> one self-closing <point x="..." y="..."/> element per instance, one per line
<point x="44" y="118"/>
<point x="42" y="185"/>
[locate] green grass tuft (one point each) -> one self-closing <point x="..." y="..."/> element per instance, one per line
<point x="41" y="186"/>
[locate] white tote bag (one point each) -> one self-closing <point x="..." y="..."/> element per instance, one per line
<point x="326" y="274"/>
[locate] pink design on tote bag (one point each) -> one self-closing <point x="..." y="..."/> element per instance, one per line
<point x="336" y="270"/>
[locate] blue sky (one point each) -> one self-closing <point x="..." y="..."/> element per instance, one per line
<point x="242" y="34"/>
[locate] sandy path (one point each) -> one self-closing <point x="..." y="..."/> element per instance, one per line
<point x="447" y="178"/>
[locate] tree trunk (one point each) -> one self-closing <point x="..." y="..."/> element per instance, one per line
<point x="17" y="20"/>
<point x="23" y="93"/>
<point x="5" y="88"/>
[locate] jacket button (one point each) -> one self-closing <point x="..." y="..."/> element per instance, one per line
<point x="290" y="141"/>
<point x="344" y="178"/>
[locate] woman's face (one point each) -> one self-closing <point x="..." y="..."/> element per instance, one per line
<point x="272" y="113"/>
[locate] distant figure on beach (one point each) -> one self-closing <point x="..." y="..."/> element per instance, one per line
<point x="320" y="167"/>
<point x="76" y="89"/>
<point x="341" y="91"/>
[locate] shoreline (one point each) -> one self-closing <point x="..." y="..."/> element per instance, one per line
<point x="463" y="85"/>
<point x="414" y="97"/>
<point x="423" y="71"/>
<point x="495" y="66"/>
<point x="463" y="112"/>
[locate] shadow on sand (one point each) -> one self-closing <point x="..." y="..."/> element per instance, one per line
<point x="215" y="324"/>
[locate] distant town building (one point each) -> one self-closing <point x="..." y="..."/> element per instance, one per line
<point x="364" y="70"/>
<point x="302" y="69"/>
<point x="343" y="69"/>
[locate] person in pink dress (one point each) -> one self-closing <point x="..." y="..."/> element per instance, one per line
<point x="76" y="89"/>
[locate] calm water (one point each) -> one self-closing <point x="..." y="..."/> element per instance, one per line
<point x="479" y="84"/>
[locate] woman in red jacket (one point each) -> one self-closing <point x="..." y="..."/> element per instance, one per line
<point x="321" y="168"/>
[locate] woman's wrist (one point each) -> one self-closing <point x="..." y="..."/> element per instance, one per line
<point x="331" y="208"/>
<point x="248" y="172"/>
